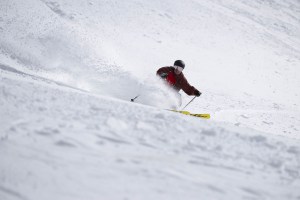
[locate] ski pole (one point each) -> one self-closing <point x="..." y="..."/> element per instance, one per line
<point x="132" y="100"/>
<point x="189" y="103"/>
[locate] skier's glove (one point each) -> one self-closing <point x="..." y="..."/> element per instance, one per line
<point x="163" y="75"/>
<point x="197" y="93"/>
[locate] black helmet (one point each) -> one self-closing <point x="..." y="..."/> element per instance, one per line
<point x="179" y="63"/>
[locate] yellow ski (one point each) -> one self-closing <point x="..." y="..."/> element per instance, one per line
<point x="205" y="116"/>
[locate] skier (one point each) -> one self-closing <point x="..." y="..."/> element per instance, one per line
<point x="175" y="79"/>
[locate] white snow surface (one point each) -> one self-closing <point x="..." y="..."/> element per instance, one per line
<point x="68" y="70"/>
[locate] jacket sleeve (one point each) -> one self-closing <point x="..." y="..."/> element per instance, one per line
<point x="187" y="88"/>
<point x="163" y="70"/>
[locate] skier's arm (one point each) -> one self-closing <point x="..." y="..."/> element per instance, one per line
<point x="188" y="89"/>
<point x="163" y="72"/>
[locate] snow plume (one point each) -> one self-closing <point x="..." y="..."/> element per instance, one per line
<point x="114" y="82"/>
<point x="155" y="92"/>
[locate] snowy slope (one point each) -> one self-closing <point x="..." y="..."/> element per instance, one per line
<point x="68" y="70"/>
<point x="61" y="143"/>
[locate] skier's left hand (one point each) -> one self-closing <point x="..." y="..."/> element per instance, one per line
<point x="197" y="93"/>
<point x="163" y="75"/>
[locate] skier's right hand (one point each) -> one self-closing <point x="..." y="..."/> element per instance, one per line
<point x="197" y="93"/>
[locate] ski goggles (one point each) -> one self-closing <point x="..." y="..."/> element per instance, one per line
<point x="178" y="68"/>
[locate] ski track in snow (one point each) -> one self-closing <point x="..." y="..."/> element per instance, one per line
<point x="68" y="70"/>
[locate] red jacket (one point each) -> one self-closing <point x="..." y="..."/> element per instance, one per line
<point x="180" y="80"/>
